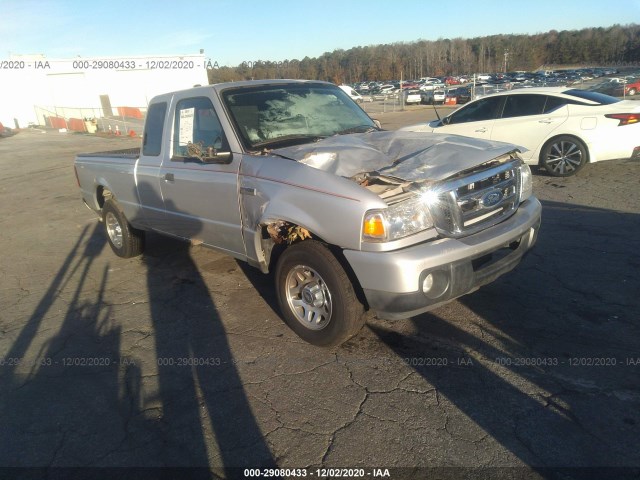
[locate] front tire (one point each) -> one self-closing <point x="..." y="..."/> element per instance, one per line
<point x="124" y="240"/>
<point x="563" y="156"/>
<point x="632" y="92"/>
<point x="317" y="299"/>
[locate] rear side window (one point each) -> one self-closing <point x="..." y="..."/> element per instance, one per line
<point x="523" y="105"/>
<point x="152" y="143"/>
<point x="553" y="103"/>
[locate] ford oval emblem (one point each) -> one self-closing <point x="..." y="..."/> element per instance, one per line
<point x="492" y="198"/>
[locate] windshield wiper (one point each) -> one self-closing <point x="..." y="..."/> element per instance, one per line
<point x="358" y="129"/>
<point x="294" y="138"/>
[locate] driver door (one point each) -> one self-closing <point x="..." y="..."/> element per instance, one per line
<point x="201" y="197"/>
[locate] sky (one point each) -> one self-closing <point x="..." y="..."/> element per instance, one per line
<point x="232" y="32"/>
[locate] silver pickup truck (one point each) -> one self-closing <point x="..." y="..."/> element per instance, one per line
<point x="294" y="176"/>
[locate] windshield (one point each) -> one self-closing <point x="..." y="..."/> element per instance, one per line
<point x="287" y="114"/>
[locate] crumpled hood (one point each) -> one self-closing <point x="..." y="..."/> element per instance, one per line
<point x="409" y="156"/>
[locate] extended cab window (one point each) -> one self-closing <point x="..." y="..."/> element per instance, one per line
<point x="152" y="143"/>
<point x="197" y="131"/>
<point x="484" y="109"/>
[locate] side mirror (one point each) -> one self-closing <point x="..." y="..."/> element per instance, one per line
<point x="197" y="152"/>
<point x="378" y="124"/>
<point x="217" y="157"/>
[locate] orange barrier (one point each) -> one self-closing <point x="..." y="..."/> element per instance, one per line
<point x="57" y="122"/>
<point x="450" y="101"/>
<point x="76" y="125"/>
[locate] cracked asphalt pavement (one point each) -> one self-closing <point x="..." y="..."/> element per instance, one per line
<point x="178" y="358"/>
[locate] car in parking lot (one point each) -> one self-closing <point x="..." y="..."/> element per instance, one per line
<point x="426" y="97"/>
<point x="561" y="129"/>
<point x="632" y="88"/>
<point x="439" y="96"/>
<point x="355" y="96"/>
<point x="432" y="97"/>
<point x="461" y="94"/>
<point x="431" y="85"/>
<point x="379" y="95"/>
<point x="412" y="97"/>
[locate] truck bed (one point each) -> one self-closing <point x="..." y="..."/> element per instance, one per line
<point x="114" y="171"/>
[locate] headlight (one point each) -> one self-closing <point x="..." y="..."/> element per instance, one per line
<point x="397" y="221"/>
<point x="526" y="182"/>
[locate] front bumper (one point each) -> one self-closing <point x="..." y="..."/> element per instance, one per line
<point x="393" y="281"/>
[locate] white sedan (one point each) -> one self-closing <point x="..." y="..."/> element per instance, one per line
<point x="560" y="129"/>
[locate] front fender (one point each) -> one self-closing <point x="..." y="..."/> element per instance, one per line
<point x="329" y="206"/>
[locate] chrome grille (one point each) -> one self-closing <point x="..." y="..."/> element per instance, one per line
<point x="469" y="204"/>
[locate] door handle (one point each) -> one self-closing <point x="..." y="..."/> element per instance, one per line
<point x="247" y="191"/>
<point x="168" y="177"/>
<point x="481" y="130"/>
<point x="545" y="121"/>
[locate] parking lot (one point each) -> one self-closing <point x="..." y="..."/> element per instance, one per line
<point x="178" y="358"/>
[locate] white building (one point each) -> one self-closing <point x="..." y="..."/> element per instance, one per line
<point x="33" y="87"/>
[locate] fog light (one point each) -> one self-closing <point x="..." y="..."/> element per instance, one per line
<point x="427" y="284"/>
<point x="435" y="284"/>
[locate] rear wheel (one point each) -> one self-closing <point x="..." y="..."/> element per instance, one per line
<point x="124" y="240"/>
<point x="316" y="297"/>
<point x="632" y="92"/>
<point x="563" y="156"/>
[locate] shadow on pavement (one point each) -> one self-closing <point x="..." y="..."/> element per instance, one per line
<point x="206" y="414"/>
<point x="539" y="381"/>
<point x="84" y="403"/>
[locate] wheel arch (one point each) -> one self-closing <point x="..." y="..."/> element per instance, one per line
<point x="125" y="240"/>
<point x="270" y="247"/>
<point x="102" y="194"/>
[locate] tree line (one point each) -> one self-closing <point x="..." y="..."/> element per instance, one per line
<point x="616" y="45"/>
